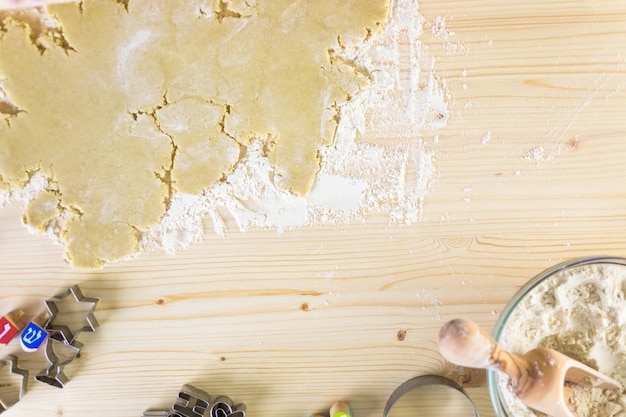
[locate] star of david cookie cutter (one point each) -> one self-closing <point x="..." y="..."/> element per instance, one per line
<point x="62" y="332"/>
<point x="12" y="362"/>
<point x="193" y="402"/>
<point x="54" y="374"/>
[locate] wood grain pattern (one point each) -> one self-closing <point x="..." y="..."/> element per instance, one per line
<point x="289" y="323"/>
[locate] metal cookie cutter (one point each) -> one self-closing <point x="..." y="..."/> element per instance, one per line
<point x="223" y="407"/>
<point x="422" y="381"/>
<point x="11" y="361"/>
<point x="62" y="332"/>
<point x="54" y="375"/>
<point x="193" y="402"/>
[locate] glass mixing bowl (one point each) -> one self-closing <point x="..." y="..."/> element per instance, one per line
<point x="498" y="331"/>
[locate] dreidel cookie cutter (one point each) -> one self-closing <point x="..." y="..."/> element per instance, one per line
<point x="11" y="361"/>
<point x="54" y="374"/>
<point x="34" y="334"/>
<point x="10" y="325"/>
<point x="63" y="332"/>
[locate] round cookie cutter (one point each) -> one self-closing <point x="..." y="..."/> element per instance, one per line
<point x="421" y="382"/>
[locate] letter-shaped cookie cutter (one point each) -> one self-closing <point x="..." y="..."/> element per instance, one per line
<point x="193" y="402"/>
<point x="54" y="375"/>
<point x="62" y="332"/>
<point x="223" y="407"/>
<point x="12" y="362"/>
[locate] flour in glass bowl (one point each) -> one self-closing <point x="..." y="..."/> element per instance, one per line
<point x="580" y="312"/>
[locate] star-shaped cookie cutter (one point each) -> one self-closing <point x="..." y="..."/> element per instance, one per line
<point x="62" y="332"/>
<point x="12" y="361"/>
<point x="54" y="375"/>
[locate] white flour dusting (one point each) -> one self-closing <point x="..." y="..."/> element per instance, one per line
<point x="381" y="162"/>
<point x="536" y="154"/>
<point x="486" y="138"/>
<point x="36" y="184"/>
<point x="440" y="29"/>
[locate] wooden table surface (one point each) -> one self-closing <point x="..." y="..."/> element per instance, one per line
<point x="289" y="323"/>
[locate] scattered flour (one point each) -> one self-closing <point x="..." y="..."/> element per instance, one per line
<point x="440" y="29"/>
<point x="486" y="138"/>
<point x="579" y="312"/>
<point x="33" y="188"/>
<point x="536" y="154"/>
<point x="380" y="162"/>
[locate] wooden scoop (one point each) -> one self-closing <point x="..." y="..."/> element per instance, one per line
<point x="538" y="377"/>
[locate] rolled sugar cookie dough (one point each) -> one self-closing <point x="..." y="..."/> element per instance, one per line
<point x="122" y="104"/>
